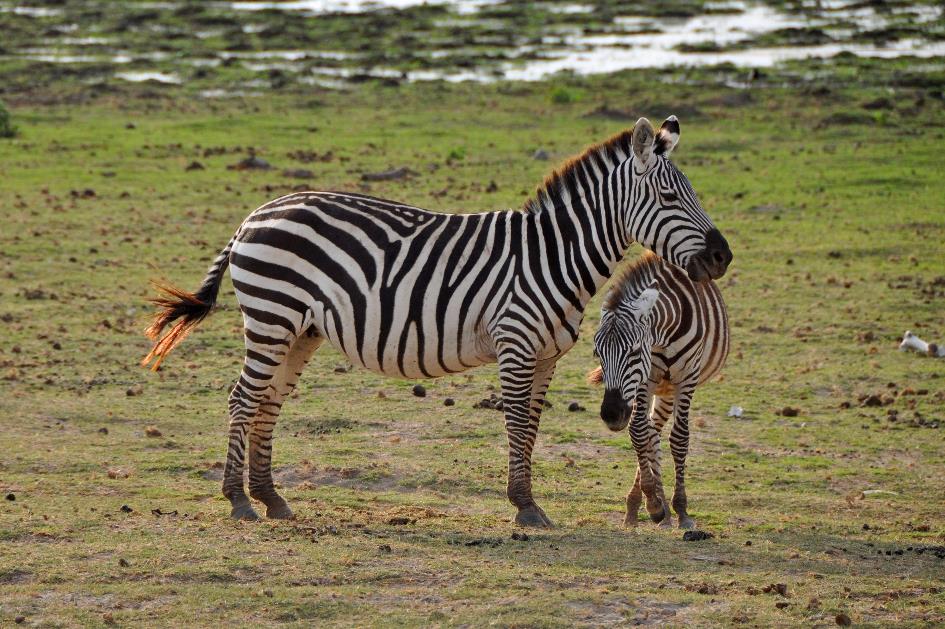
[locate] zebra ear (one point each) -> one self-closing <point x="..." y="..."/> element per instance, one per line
<point x="643" y="304"/>
<point x="667" y="137"/>
<point x="643" y="140"/>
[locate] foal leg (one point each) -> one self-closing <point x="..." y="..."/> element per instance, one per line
<point x="260" y="437"/>
<point x="634" y="500"/>
<point x="646" y="443"/>
<point x="662" y="411"/>
<point x="524" y="384"/>
<point x="679" y="445"/>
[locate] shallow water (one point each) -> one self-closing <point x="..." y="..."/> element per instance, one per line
<point x="726" y="33"/>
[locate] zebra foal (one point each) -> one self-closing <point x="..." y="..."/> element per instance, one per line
<point x="660" y="336"/>
<point x="415" y="294"/>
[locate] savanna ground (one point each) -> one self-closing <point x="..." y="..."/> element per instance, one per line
<point x="826" y="179"/>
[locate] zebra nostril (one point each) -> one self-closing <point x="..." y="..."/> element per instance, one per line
<point x="718" y="256"/>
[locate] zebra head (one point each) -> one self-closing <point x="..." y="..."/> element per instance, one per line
<point x="623" y="344"/>
<point x="665" y="215"/>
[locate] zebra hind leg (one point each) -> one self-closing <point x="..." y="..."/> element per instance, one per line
<point x="249" y="392"/>
<point x="261" y="485"/>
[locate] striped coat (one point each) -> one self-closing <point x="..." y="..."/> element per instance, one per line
<point x="410" y="293"/>
<point x="661" y="335"/>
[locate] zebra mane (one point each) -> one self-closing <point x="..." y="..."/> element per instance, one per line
<point x="565" y="177"/>
<point x="632" y="279"/>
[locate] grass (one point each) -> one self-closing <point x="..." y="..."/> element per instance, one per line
<point x="834" y="216"/>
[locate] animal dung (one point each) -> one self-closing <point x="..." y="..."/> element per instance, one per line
<point x="419" y="390"/>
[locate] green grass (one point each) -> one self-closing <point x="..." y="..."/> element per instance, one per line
<point x="836" y="224"/>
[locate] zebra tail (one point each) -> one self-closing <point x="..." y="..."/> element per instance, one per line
<point x="187" y="309"/>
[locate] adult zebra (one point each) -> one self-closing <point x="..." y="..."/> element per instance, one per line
<point x="411" y="293"/>
<point x="660" y="336"/>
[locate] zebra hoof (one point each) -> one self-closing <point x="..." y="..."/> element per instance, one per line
<point x="685" y="522"/>
<point x="533" y="516"/>
<point x="280" y="512"/>
<point x="662" y="515"/>
<point x="244" y="512"/>
<point x="630" y="521"/>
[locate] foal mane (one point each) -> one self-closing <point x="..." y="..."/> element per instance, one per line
<point x="631" y="277"/>
<point x="565" y="176"/>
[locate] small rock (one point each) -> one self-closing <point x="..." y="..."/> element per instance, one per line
<point x="782" y="604"/>
<point x="401" y="520"/>
<point x="103" y="430"/>
<point x="574" y="407"/>
<point x="541" y="155"/>
<point x="789" y="411"/>
<point x="11" y="496"/>
<point x="843" y="620"/>
<point x="123" y="562"/>
<point x="449" y="402"/>
<point x="152" y="431"/>
<point x="19" y="620"/>
<point x="130" y="125"/>
<point x="813" y="604"/>
<point x="251" y="163"/>
<point x="736" y="411"/>
<point x="126" y="509"/>
<point x="108" y="618"/>
<point x="492" y="187"/>
<point x="384" y="548"/>
<point x="268" y="593"/>
<point x="389" y="175"/>
<point x="520" y="537"/>
<point x="419" y="390"/>
<point x="298" y="173"/>
<point x="56" y="345"/>
<point x="696" y="536"/>
<point x="134" y="390"/>
<point x="195" y="165"/>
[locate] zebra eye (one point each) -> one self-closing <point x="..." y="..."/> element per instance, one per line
<point x="670" y="197"/>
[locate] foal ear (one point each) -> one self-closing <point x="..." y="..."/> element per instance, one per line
<point x="667" y="137"/>
<point x="643" y="304"/>
<point x="642" y="141"/>
<point x="595" y="376"/>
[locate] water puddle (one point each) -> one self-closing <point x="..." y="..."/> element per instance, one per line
<point x="479" y="40"/>
<point x="140" y="77"/>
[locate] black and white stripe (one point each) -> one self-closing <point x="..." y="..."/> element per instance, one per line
<point x="410" y="293"/>
<point x="660" y="336"/>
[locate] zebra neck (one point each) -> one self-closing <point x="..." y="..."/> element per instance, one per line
<point x="582" y="225"/>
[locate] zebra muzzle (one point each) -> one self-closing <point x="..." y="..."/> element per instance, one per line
<point x="614" y="410"/>
<point x="712" y="261"/>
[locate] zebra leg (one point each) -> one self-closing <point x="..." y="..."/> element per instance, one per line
<point x="260" y="436"/>
<point x="523" y="391"/>
<point x="634" y="500"/>
<point x="250" y="391"/>
<point x="662" y="411"/>
<point x="679" y="445"/>
<point x="645" y="441"/>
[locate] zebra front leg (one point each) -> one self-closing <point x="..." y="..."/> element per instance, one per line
<point x="523" y="392"/>
<point x="679" y="445"/>
<point x="634" y="500"/>
<point x="645" y="441"/>
<point x="661" y="413"/>
<point x="283" y="383"/>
